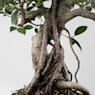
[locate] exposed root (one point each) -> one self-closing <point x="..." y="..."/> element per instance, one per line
<point x="72" y="85"/>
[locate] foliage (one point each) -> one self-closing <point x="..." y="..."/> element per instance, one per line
<point x="78" y="31"/>
<point x="14" y="17"/>
<point x="10" y="7"/>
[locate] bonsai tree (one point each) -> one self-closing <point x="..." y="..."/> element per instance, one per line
<point x="52" y="76"/>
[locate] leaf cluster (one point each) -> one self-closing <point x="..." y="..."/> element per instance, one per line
<point x="79" y="30"/>
<point x="10" y="7"/>
<point x="21" y="29"/>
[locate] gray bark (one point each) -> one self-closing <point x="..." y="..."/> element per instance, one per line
<point x="52" y="76"/>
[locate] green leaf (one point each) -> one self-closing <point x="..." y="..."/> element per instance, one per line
<point x="36" y="30"/>
<point x="12" y="28"/>
<point x="81" y="1"/>
<point x="74" y="41"/>
<point x="80" y="30"/>
<point x="89" y="8"/>
<point x="93" y="4"/>
<point x="14" y="17"/>
<point x="8" y="9"/>
<point x="21" y="30"/>
<point x="13" y="2"/>
<point x="1" y="5"/>
<point x="1" y="12"/>
<point x="28" y="27"/>
<point x="39" y="3"/>
<point x="29" y="13"/>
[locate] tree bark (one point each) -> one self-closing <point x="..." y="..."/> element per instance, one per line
<point x="52" y="76"/>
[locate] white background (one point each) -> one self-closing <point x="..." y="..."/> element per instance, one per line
<point x="15" y="56"/>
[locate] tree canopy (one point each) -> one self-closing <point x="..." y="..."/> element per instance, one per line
<point x="24" y="12"/>
<point x="28" y="10"/>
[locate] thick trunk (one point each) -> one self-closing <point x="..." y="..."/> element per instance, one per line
<point x="52" y="76"/>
